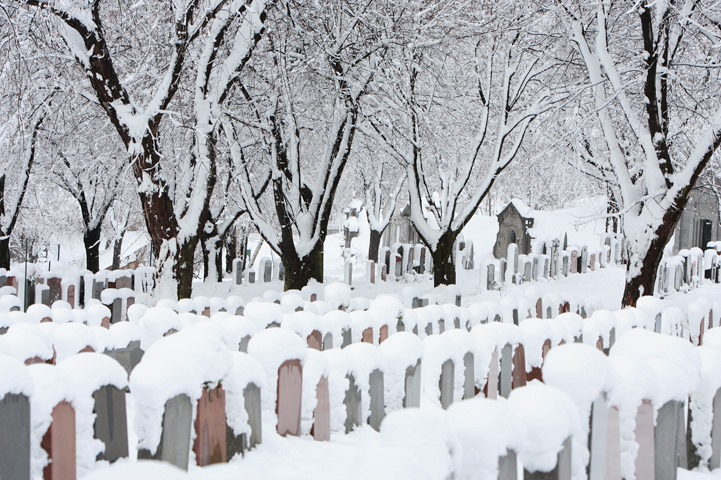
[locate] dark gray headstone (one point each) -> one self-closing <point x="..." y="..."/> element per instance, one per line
<point x="267" y="271"/>
<point x="353" y="406"/>
<point x="128" y="357"/>
<point x="117" y="311"/>
<point x="506" y="374"/>
<point x="15" y="437"/>
<point x="327" y="341"/>
<point x="413" y="386"/>
<point x="347" y="338"/>
<point x="111" y="422"/>
<point x="666" y="440"/>
<point x="429" y="329"/>
<point x="174" y="447"/>
<point x="445" y="383"/>
<point x="377" y="400"/>
<point x="243" y="443"/>
<point x="469" y="376"/>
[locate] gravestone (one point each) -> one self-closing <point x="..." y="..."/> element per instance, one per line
<point x="174" y="446"/>
<point x="15" y="437"/>
<point x="251" y="276"/>
<point x="564" y="266"/>
<point x="210" y="445"/>
<point x="445" y="383"/>
<point x="279" y="270"/>
<point x="348" y="272"/>
<point x="347" y="337"/>
<point x="384" y="274"/>
<point x="716" y="432"/>
<point x="493" y="375"/>
<point x="519" y="367"/>
<point x="267" y="270"/>
<point x="546" y="267"/>
<point x="412" y="396"/>
<point x="422" y="263"/>
<point x="562" y="470"/>
<point x="56" y="289"/>
<point x="508" y="466"/>
<point x="127" y="357"/>
<point x="505" y="377"/>
<point x="592" y="262"/>
<point x="644" y="436"/>
<point x="367" y="336"/>
<point x="314" y="340"/>
<point x="383" y="334"/>
<point x="116" y="311"/>
<point x="377" y="399"/>
<point x="598" y="439"/>
<point x="244" y="442"/>
<point x="469" y="377"/>
<point x="290" y="383"/>
<point x="441" y="325"/>
<point x="372" y="271"/>
<point x="490" y="276"/>
<point x="501" y="270"/>
<point x="321" y="414"/>
<point x="111" y="423"/>
<point x="574" y="261"/>
<point x="527" y="271"/>
<point x="613" y="445"/>
<point x="666" y="436"/>
<point x="539" y="308"/>
<point x="353" y="405"/>
<point x="59" y="443"/>
<point x="71" y="296"/>
<point x="584" y="260"/>
<point x="535" y="268"/>
<point x="327" y="341"/>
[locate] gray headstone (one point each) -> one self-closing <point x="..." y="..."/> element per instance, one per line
<point x="377" y="400"/>
<point x="490" y="276"/>
<point x="353" y="406"/>
<point x="613" y="445"/>
<point x="429" y="329"/>
<point x="128" y="357"/>
<point x="251" y="277"/>
<point x="111" y="422"/>
<point x="327" y="341"/>
<point x="446" y="383"/>
<point x="506" y="378"/>
<point x="508" y="466"/>
<point x="412" y="396"/>
<point x="493" y="374"/>
<point x="116" y="314"/>
<point x="584" y="260"/>
<point x="347" y="338"/>
<point x="716" y="432"/>
<point x="400" y="326"/>
<point x="666" y="440"/>
<point x="15" y="437"/>
<point x="469" y="376"/>
<point x="562" y="471"/>
<point x="598" y="439"/>
<point x="535" y="268"/>
<point x="267" y="271"/>
<point x="243" y="347"/>
<point x="174" y="447"/>
<point x="251" y="399"/>
<point x="527" y="272"/>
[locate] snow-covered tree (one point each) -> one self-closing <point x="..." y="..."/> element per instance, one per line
<point x="652" y="72"/>
<point x="381" y="201"/>
<point x="459" y="107"/>
<point x="210" y="41"/>
<point x="303" y="109"/>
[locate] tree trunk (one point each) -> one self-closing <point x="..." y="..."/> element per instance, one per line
<point x="648" y="261"/>
<point x="374" y="246"/>
<point x="300" y="271"/>
<point x="444" y="269"/>
<point x="91" y="239"/>
<point x="183" y="268"/>
<point x="5" y="252"/>
<point x="231" y="253"/>
<point x="118" y="250"/>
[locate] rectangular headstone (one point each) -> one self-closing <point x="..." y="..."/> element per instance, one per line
<point x="493" y="375"/>
<point x="505" y="380"/>
<point x="174" y="446"/>
<point x="353" y="405"/>
<point x="290" y="388"/>
<point x="111" y="423"/>
<point x="210" y="445"/>
<point x="598" y="439"/>
<point x="377" y="399"/>
<point x="321" y="412"/>
<point x="267" y="271"/>
<point x="445" y="383"/>
<point x="716" y="432"/>
<point x="469" y="376"/>
<point x="15" y="437"/>
<point x="412" y="396"/>
<point x="59" y="443"/>
<point x="508" y="466"/>
<point x="666" y="440"/>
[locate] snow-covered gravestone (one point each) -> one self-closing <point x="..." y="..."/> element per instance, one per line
<point x="237" y="271"/>
<point x="348" y="272"/>
<point x="568" y="368"/>
<point x="16" y="387"/>
<point x="574" y="261"/>
<point x="512" y="263"/>
<point x="705" y="408"/>
<point x="676" y="364"/>
<point x="266" y="266"/>
<point x="101" y="412"/>
<point x="282" y="354"/>
<point x="564" y="263"/>
<point x="315" y="413"/>
<point x="371" y="272"/>
<point x="365" y="365"/>
<point x="243" y="385"/>
<point x="175" y="372"/>
<point x="550" y="418"/>
<point x="535" y="268"/>
<point x="487" y="452"/>
<point x="592" y="262"/>
<point x="53" y="413"/>
<point x="402" y="352"/>
<point x="584" y="260"/>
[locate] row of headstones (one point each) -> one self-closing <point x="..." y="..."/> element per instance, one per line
<point x="685" y="271"/>
<point x="269" y="270"/>
<point x="77" y="294"/>
<point x="516" y="268"/>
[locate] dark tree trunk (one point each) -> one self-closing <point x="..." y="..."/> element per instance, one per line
<point x="91" y="239"/>
<point x="206" y="257"/>
<point x="374" y="246"/>
<point x="643" y="283"/>
<point x="444" y="269"/>
<point x="117" y="250"/>
<point x="184" y="267"/>
<point x="5" y="252"/>
<point x="300" y="271"/>
<point x="230" y="252"/>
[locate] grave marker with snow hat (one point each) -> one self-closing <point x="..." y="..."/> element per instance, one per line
<point x="16" y="387"/>
<point x="101" y="411"/>
<point x="403" y="352"/>
<point x="549" y="416"/>
<point x="210" y="425"/>
<point x="53" y="424"/>
<point x="574" y="261"/>
<point x="281" y="353"/>
<point x="366" y="398"/>
<point x="315" y="413"/>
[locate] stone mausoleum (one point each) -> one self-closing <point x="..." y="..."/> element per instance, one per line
<point x="514" y="223"/>
<point x="699" y="222"/>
